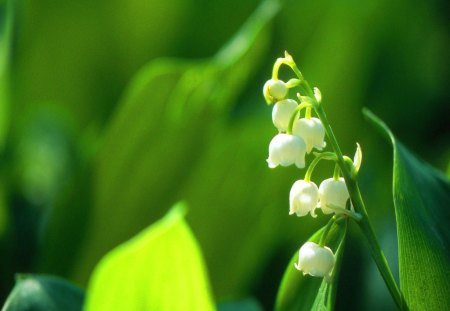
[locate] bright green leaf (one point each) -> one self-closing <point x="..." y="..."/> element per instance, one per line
<point x="304" y="292"/>
<point x="422" y="201"/>
<point x="159" y="269"/>
<point x="44" y="293"/>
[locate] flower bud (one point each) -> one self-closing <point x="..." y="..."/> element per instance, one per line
<point x="286" y="150"/>
<point x="312" y="132"/>
<point x="334" y="193"/>
<point x="317" y="95"/>
<point x="282" y="112"/>
<point x="274" y="90"/>
<point x="315" y="260"/>
<point x="303" y="198"/>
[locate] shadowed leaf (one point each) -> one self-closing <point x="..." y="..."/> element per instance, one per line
<point x="44" y="293"/>
<point x="422" y="201"/>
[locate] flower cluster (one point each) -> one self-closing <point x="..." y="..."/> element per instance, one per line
<point x="298" y="135"/>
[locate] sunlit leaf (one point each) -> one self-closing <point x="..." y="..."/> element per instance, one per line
<point x="422" y="201"/>
<point x="304" y="292"/>
<point x="164" y="122"/>
<point x="43" y="293"/>
<point x="159" y="269"/>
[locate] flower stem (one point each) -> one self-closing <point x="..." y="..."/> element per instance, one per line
<point x="336" y="173"/>
<point x="308" y="113"/>
<point x="294" y="116"/>
<point x="364" y="223"/>
<point x="320" y="156"/>
<point x="326" y="230"/>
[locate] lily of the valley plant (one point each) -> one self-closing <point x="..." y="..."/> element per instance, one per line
<point x="302" y="126"/>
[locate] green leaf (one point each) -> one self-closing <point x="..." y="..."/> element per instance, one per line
<point x="6" y="22"/>
<point x="422" y="201"/>
<point x="248" y="304"/>
<point x="159" y="269"/>
<point x="165" y="121"/>
<point x="304" y="292"/>
<point x="233" y="188"/>
<point x="46" y="293"/>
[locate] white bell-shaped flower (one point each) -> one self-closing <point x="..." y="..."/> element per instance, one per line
<point x="303" y="198"/>
<point x="315" y="260"/>
<point x="274" y="90"/>
<point x="332" y="193"/>
<point x="285" y="150"/>
<point x="282" y="112"/>
<point x="312" y="132"/>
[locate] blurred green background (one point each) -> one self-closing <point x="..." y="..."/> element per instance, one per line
<point x="94" y="146"/>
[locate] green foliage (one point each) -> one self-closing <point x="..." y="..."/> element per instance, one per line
<point x="43" y="293"/>
<point x="221" y="190"/>
<point x="422" y="200"/>
<point x="198" y="130"/>
<point x="159" y="269"/>
<point x="6" y="21"/>
<point x="162" y="126"/>
<point x="242" y="305"/>
<point x="304" y="292"/>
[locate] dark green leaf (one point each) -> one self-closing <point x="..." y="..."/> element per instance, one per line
<point x="241" y="305"/>
<point x="159" y="269"/>
<point x="6" y="22"/>
<point x="422" y="201"/>
<point x="304" y="292"/>
<point x="44" y="293"/>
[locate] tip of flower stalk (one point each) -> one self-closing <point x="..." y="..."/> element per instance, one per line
<point x="288" y="56"/>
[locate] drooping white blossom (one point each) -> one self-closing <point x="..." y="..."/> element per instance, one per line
<point x="332" y="193"/>
<point x="282" y="112"/>
<point x="285" y="150"/>
<point x="274" y="90"/>
<point x="303" y="198"/>
<point x="315" y="260"/>
<point x="312" y="132"/>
